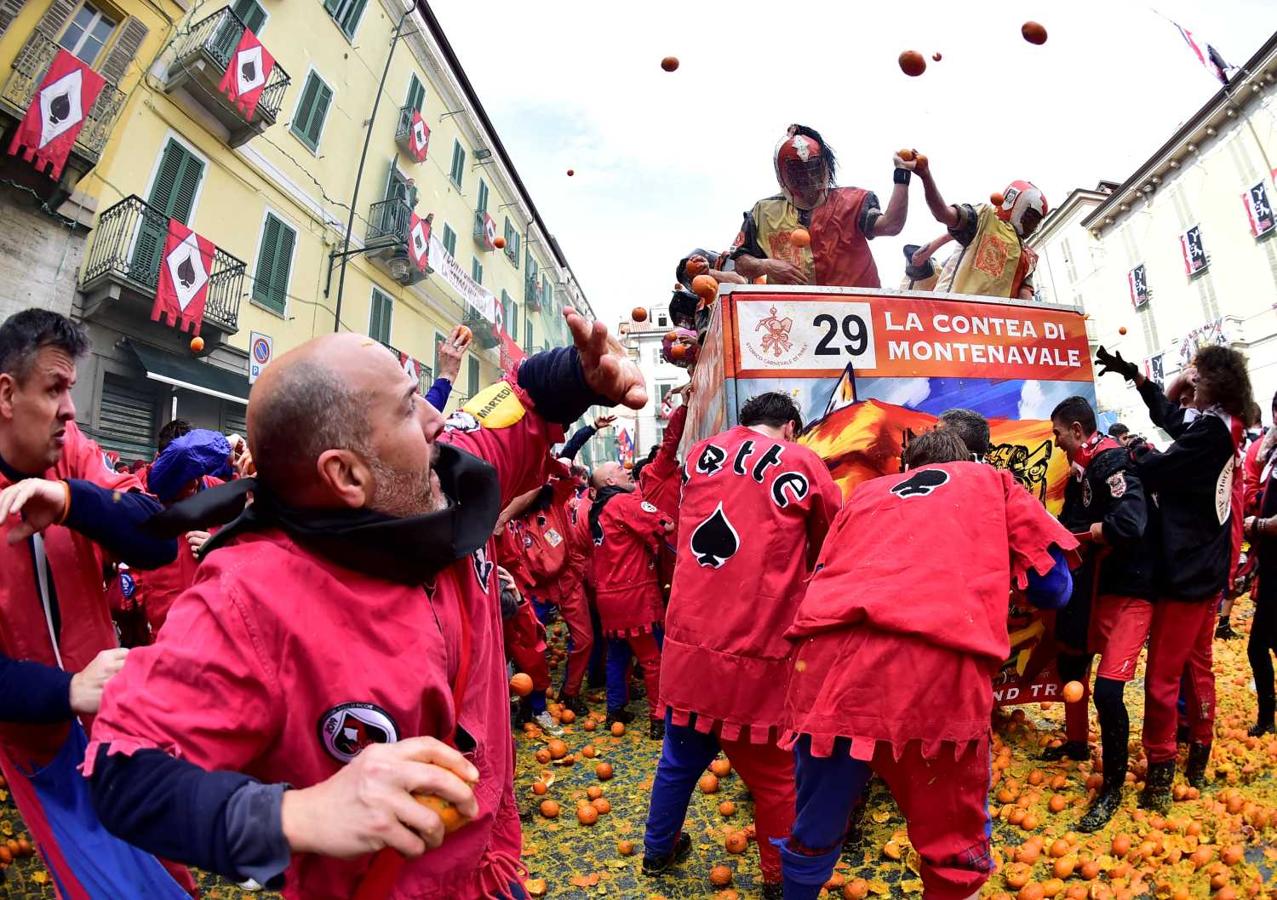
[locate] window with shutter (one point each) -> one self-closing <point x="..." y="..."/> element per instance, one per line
<point x="312" y="110"/>
<point x="476" y="270"/>
<point x="482" y="205"/>
<point x="457" y="171"/>
<point x="124" y="50"/>
<point x="528" y="343"/>
<point x="472" y="376"/>
<point x="177" y="181"/>
<point x="9" y="10"/>
<point x="379" y="318"/>
<point x="416" y="94"/>
<point x="449" y="240"/>
<point x="251" y="13"/>
<point x="274" y="262"/>
<point x="87" y="33"/>
<point x="437" y="344"/>
<point x="346" y="13"/>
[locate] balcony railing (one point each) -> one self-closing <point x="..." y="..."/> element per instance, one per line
<point x="479" y="227"/>
<point x="388" y="222"/>
<point x="532" y="294"/>
<point x="202" y="54"/>
<point x="29" y="68"/>
<point x="127" y="247"/>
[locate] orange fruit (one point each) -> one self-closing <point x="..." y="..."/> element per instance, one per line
<point x="1121" y="845"/>
<point x="1059" y="847"/>
<point x="1033" y="33"/>
<point x="618" y="729"/>
<point x="464" y="333"/>
<point x="1057" y="803"/>
<point x="720" y="876"/>
<point x="587" y="814"/>
<point x="737" y="842"/>
<point x="936" y="56"/>
<point x="856" y="889"/>
<point x="603" y="771"/>
<point x="452" y="818"/>
<point x="1031" y="891"/>
<point x="1058" y="783"/>
<point x="1036" y="777"/>
<point x="557" y="748"/>
<point x="539" y="788"/>
<point x="997" y="198"/>
<point x="602" y="804"/>
<point x="5" y="856"/>
<point x="1017" y="875"/>
<point x="590" y="725"/>
<point x="892" y="850"/>
<point x="536" y="887"/>
<point x="550" y="809"/>
<point x="708" y="783"/>
<point x="907" y="155"/>
<point x="197" y="344"/>
<point x="705" y="287"/>
<point x="567" y="717"/>
<point x="912" y="63"/>
<point x="721" y="767"/>
<point x="24" y="847"/>
<point x="669" y="63"/>
<point x="1230" y="857"/>
<point x="1028" y="852"/>
<point x="800" y="237"/>
<point x="521" y="684"/>
<point x="1121" y="329"/>
<point x="1063" y="867"/>
<point x="571" y="172"/>
<point x="727" y="809"/>
<point x="588" y="751"/>
<point x="1051" y="887"/>
<point x="697" y="265"/>
<point x="625" y="848"/>
<point x="1073" y="691"/>
<point x="594" y="792"/>
<point x="1090" y="870"/>
<point x="1030" y="822"/>
<point x="498" y="242"/>
<point x="638" y="314"/>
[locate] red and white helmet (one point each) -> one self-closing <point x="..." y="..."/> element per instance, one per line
<point x="1018" y="198"/>
<point x="801" y="171"/>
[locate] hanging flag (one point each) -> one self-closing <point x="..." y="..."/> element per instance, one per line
<point x="246" y="73"/>
<point x="419" y="241"/>
<point x="1207" y="56"/>
<point x="489" y="233"/>
<point x="56" y="114"/>
<point x="1154" y="368"/>
<point x="1137" y="280"/>
<point x="625" y="446"/>
<point x="415" y="370"/>
<point x="418" y="137"/>
<point x="184" y="273"/>
<point x="1190" y="245"/>
<point x="1258" y="210"/>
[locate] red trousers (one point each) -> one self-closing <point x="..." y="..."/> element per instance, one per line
<point x="525" y="645"/>
<point x="1179" y="646"/>
<point x="575" y="609"/>
<point x="648" y="652"/>
<point x="768" y="772"/>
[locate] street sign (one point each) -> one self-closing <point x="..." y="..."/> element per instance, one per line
<point x="261" y="348"/>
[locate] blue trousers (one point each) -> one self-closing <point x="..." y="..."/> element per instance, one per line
<point x="619" y="652"/>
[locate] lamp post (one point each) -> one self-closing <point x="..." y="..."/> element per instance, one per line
<point x="345" y="253"/>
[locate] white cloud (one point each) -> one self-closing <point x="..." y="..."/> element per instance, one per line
<point x="668" y="161"/>
<point x="1038" y="398"/>
<point x="908" y="392"/>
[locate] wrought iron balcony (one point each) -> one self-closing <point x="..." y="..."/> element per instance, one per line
<point x="532" y="294"/>
<point x="403" y="131"/>
<point x="123" y="267"/>
<point x="485" y="334"/>
<point x="29" y="69"/>
<point x="387" y="236"/>
<point x="479" y="228"/>
<point x="200" y="58"/>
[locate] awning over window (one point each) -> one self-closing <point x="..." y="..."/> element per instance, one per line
<point x="191" y="374"/>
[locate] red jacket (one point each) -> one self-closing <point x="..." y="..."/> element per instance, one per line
<point x="725" y="657"/>
<point x="629" y="534"/>
<point x="156" y="589"/>
<point x="76" y="564"/>
<point x="1252" y="478"/>
<point x="905" y="621"/>
<point x="281" y="664"/>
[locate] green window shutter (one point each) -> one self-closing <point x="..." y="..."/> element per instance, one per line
<point x="527" y="334"/>
<point x="346" y="13"/>
<point x="274" y="261"/>
<point x="449" y="240"/>
<point x="482" y="205"/>
<point x="476" y="270"/>
<point x="509" y="233"/>
<point x="332" y="6"/>
<point x="472" y="379"/>
<point x="380" y="316"/>
<point x="416" y="94"/>
<point x="251" y="13"/>
<point x="132" y="33"/>
<point x="458" y="163"/>
<point x="438" y="342"/>
<point x="176" y="183"/>
<point x="308" y="121"/>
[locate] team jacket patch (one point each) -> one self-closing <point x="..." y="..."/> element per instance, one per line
<point x="350" y="727"/>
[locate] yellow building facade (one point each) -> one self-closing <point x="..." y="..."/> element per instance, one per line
<point x="271" y="189"/>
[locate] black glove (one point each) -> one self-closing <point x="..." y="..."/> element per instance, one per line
<point x="1113" y="362"/>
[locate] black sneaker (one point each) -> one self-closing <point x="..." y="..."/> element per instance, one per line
<point x="576" y="704"/>
<point x="1262" y="728"/>
<point x="619" y="715"/>
<point x="1195" y="770"/>
<point x="1156" y="795"/>
<point x="1075" y="750"/>
<point x="659" y="865"/>
<point x="656" y="729"/>
<point x="1105" y="805"/>
<point x="1225" y="631"/>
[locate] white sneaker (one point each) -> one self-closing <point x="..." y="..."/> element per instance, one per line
<point x="250" y="885"/>
<point x="547" y="723"/>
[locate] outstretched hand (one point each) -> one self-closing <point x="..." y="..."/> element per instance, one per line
<point x="1113" y="362"/>
<point x="609" y="371"/>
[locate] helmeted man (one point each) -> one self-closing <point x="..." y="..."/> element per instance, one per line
<point x="839" y="220"/>
<point x="64" y="512"/>
<point x="754" y="512"/>
<point x="995" y="261"/>
<point x="367" y="549"/>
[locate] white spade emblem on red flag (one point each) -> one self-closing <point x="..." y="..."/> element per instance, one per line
<point x="56" y="114"/>
<point x="419" y="241"/>
<point x="489" y="232"/>
<point x="246" y="73"/>
<point x="248" y="69"/>
<point x="187" y="270"/>
<point x="182" y="288"/>
<point x="419" y="137"/>
<point x="60" y="106"/>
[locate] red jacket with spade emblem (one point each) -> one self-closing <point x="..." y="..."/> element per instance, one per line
<point x="905" y="620"/>
<point x="755" y="511"/>
<point x="630" y="532"/>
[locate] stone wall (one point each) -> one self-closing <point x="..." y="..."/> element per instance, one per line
<point x="39" y="256"/>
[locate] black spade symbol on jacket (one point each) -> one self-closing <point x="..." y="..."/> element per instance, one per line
<point x="59" y="109"/>
<point x="186" y="272"/>
<point x="248" y="69"/>
<point x="919" y="484"/>
<point x="715" y="541"/>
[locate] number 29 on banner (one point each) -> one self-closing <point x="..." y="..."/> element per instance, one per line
<point x="804" y="335"/>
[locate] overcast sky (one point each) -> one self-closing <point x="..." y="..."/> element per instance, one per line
<point x="666" y="162"/>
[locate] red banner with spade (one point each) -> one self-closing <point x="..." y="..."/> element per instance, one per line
<point x="184" y="273"/>
<point x="418" y="137"/>
<point x="419" y="241"/>
<point x="56" y="114"/>
<point x="246" y="73"/>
